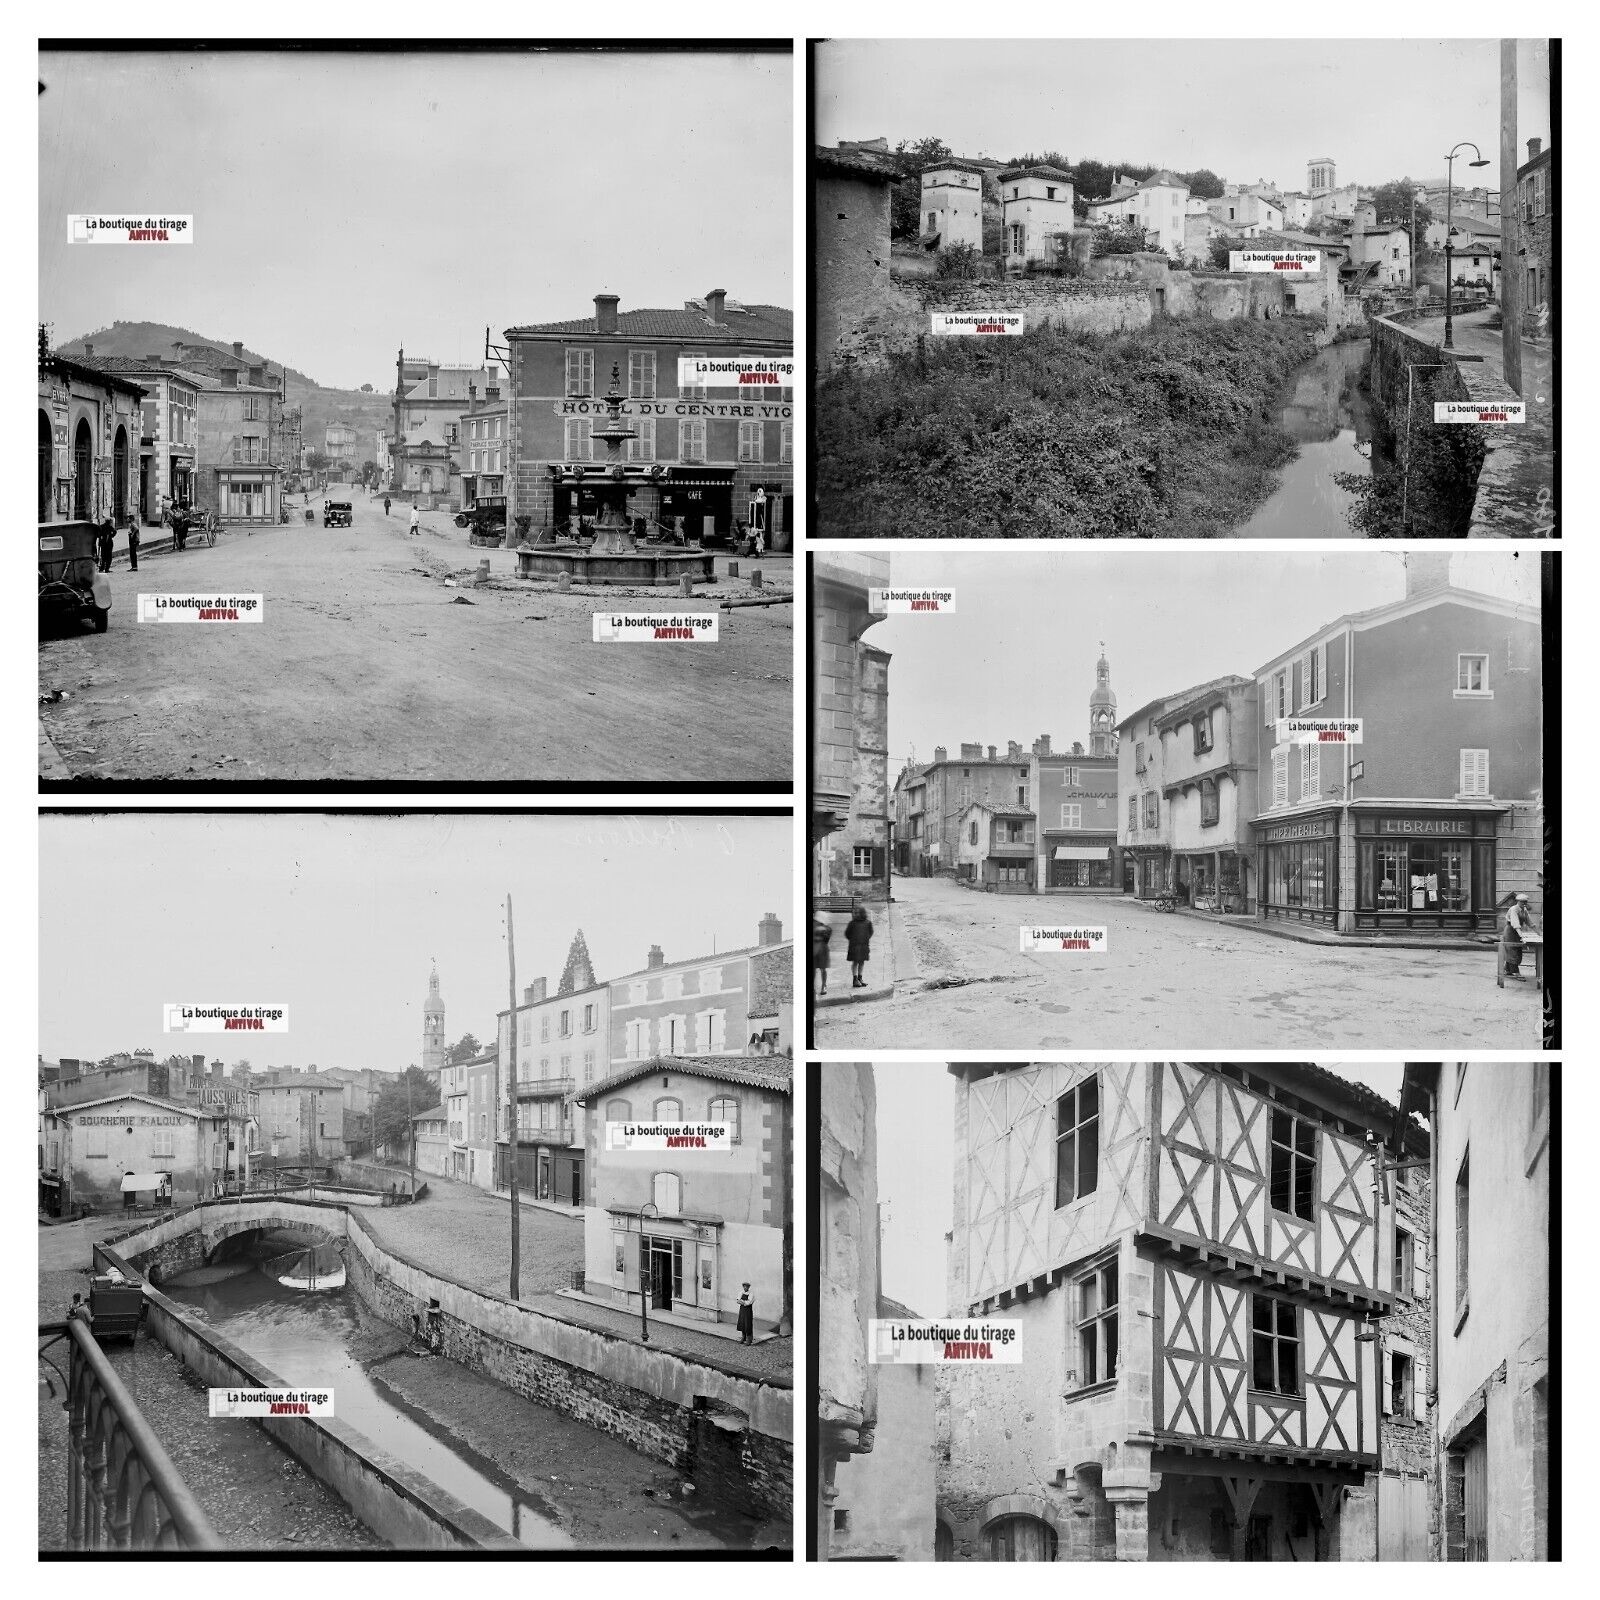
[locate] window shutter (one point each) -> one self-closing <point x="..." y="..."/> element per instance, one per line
<point x="1280" y="775"/>
<point x="877" y="861"/>
<point x="1321" y="670"/>
<point x="1267" y="719"/>
<point x="1387" y="1385"/>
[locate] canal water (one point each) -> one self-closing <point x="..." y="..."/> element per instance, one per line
<point x="1326" y="410"/>
<point x="307" y="1339"/>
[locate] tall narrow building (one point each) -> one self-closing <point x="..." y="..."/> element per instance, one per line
<point x="1102" y="710"/>
<point x="433" y="1026"/>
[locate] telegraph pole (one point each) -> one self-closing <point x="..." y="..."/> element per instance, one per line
<point x="511" y="1086"/>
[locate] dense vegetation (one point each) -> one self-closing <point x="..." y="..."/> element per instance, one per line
<point x="1165" y="431"/>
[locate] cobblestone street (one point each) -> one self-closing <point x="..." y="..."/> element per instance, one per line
<point x="1179" y="982"/>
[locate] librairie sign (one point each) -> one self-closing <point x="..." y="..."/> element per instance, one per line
<point x="1274" y="261"/>
<point x="1320" y="730"/>
<point x="1002" y="322"/>
<point x="736" y="372"/>
<point x="896" y="1341"/>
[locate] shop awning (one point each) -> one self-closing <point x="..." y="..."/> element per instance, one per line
<point x="136" y="1181"/>
<point x="45" y="1177"/>
<point x="1079" y="852"/>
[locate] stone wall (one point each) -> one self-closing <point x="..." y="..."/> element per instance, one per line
<point x="1085" y="304"/>
<point x="1519" y="855"/>
<point x="852" y="264"/>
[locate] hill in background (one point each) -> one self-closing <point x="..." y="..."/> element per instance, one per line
<point x="367" y="413"/>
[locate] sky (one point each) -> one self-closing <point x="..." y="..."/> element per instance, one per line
<point x="338" y="918"/>
<point x="1247" y="109"/>
<point x="916" y="1165"/>
<point x="1017" y="657"/>
<point x="347" y="204"/>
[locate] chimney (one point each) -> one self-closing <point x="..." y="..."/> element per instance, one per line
<point x="88" y="351"/>
<point x="714" y="304"/>
<point x="1077" y="747"/>
<point x="71" y="1066"/>
<point x="1044" y="744"/>
<point x="940" y="754"/>
<point x="257" y="378"/>
<point x="229" y="376"/>
<point x="655" y="958"/>
<point x="971" y="752"/>
<point x="1426" y="572"/>
<point x="217" y="1069"/>
<point x="238" y="349"/>
<point x="605" y="313"/>
<point x="197" y="1065"/>
<point x="1013" y="750"/>
<point x="769" y="929"/>
<point x="991" y="752"/>
<point x="153" y="359"/>
<point x="1534" y="147"/>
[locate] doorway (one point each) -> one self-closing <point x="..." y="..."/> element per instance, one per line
<point x="661" y="1285"/>
<point x="577" y="1182"/>
<point x="82" y="473"/>
<point x="46" y="467"/>
<point x="119" y="477"/>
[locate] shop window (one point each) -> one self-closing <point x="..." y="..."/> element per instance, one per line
<point x="1078" y="1141"/>
<point x="1275" y="1345"/>
<point x="1210" y="806"/>
<point x="1294" y="1164"/>
<point x="1474" y="772"/>
<point x="1097" y="1325"/>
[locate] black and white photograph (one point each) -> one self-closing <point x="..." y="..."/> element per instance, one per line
<point x="1101" y="799"/>
<point x="485" y="1245"/>
<point x="1244" y="288"/>
<point x="1186" y="1311"/>
<point x="425" y="352"/>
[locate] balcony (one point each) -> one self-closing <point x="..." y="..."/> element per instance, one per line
<point x="544" y="1088"/>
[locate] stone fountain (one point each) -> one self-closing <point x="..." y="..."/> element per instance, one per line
<point x="615" y="556"/>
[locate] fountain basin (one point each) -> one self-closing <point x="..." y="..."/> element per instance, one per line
<point x="645" y="568"/>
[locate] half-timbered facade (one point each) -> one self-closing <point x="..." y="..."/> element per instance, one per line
<point x="1199" y="1258"/>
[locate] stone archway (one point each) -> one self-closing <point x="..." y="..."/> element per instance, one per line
<point x="47" y="467"/>
<point x="119" y="476"/>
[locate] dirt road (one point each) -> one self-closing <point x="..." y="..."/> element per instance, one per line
<point x="1176" y="982"/>
<point x="368" y="666"/>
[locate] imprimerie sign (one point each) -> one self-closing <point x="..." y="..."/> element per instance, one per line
<point x="747" y="410"/>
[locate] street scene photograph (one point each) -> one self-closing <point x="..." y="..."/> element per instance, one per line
<point x="1085" y="799"/>
<point x="468" y="473"/>
<point x="478" y="1235"/>
<point x="1187" y="1311"/>
<point x="1185" y="288"/>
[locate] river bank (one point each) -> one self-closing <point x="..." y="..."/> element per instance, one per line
<point x="1168" y="431"/>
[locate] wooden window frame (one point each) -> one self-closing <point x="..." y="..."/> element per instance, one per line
<point x="1099" y="1329"/>
<point x="1298" y="1159"/>
<point x="1080" y="1134"/>
<point x="1278" y="1339"/>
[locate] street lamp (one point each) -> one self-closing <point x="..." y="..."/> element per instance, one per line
<point x="644" y="1272"/>
<point x="1449" y="273"/>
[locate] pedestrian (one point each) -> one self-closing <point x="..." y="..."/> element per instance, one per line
<point x="105" y="536"/>
<point x="821" y="936"/>
<point x="747" y="1317"/>
<point x="761" y="542"/>
<point x="858" y="944"/>
<point x="133" y="542"/>
<point x="386" y="505"/>
<point x="1519" y="920"/>
<point x="416" y="520"/>
<point x="180" y="527"/>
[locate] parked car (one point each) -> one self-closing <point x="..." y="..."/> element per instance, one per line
<point x="336" y="514"/>
<point x="70" y="582"/>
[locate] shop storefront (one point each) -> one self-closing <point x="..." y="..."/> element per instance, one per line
<point x="1299" y="876"/>
<point x="1431" y="870"/>
<point x="1212" y="880"/>
<point x="675" y="1260"/>
<point x="247" y="495"/>
<point x="1083" y="864"/>
<point x="1149" y="867"/>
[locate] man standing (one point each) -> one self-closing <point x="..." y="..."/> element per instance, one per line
<point x="386" y="505"/>
<point x="1519" y="920"/>
<point x="105" y="537"/>
<point x="133" y="542"/>
<point x="416" y="520"/>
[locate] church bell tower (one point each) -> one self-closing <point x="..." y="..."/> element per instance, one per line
<point x="433" y="1026"/>
<point x="1103" y="709"/>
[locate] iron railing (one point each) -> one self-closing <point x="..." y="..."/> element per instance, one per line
<point x="123" y="1491"/>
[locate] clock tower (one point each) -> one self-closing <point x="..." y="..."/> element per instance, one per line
<point x="1102" y="709"/>
<point x="433" y="1027"/>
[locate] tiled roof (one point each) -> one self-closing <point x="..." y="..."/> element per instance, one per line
<point x="435" y="1114"/>
<point x="91" y="370"/>
<point x="876" y="168"/>
<point x="694" y="961"/>
<point x="1001" y="811"/>
<point x="753" y="325"/>
<point x="758" y="1072"/>
<point x="304" y="1080"/>
<point x="1041" y="169"/>
<point x="130" y="1094"/>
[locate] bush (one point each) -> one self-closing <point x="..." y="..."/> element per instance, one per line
<point x="958" y="261"/>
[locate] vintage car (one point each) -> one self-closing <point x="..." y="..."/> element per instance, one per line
<point x="486" y="512"/>
<point x="71" y="584"/>
<point x="336" y="514"/>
